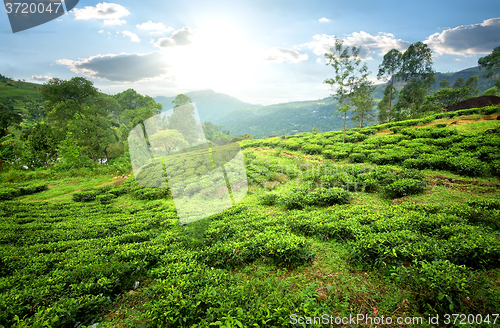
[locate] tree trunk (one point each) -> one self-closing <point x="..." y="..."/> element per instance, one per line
<point x="390" y="99"/>
<point x="345" y="118"/>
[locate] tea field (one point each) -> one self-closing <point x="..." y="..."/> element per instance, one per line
<point x="401" y="220"/>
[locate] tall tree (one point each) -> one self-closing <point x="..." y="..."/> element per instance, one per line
<point x="385" y="112"/>
<point x="8" y="117"/>
<point x="389" y="67"/>
<point x="491" y="62"/>
<point x="444" y="83"/>
<point x="349" y="74"/>
<point x="471" y="85"/>
<point x="363" y="103"/>
<point x="416" y="68"/>
<point x="180" y="100"/>
<point x="459" y="83"/>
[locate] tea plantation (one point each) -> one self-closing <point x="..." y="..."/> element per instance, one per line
<point x="403" y="219"/>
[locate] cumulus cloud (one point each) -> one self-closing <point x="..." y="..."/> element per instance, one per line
<point x="324" y="20"/>
<point x="379" y="44"/>
<point x="119" y="68"/>
<point x="133" y="37"/>
<point x="40" y="78"/>
<point x="110" y="13"/>
<point x="101" y="32"/>
<point x="112" y="22"/>
<point x="154" y="27"/>
<point x="281" y="55"/>
<point x="467" y="39"/>
<point x="181" y="37"/>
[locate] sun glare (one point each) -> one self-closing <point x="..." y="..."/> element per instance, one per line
<point x="218" y="58"/>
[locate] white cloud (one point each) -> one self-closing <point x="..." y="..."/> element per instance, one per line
<point x="467" y="39"/>
<point x="324" y="20"/>
<point x="318" y="60"/>
<point x="112" y="22"/>
<point x="133" y="37"/>
<point x="154" y="27"/>
<point x="380" y="43"/>
<point x="119" y="67"/>
<point x="110" y="13"/>
<point x="181" y="37"/>
<point x="101" y="32"/>
<point x="281" y="55"/>
<point x="40" y="78"/>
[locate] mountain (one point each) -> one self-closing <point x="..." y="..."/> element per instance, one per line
<point x="483" y="83"/>
<point x="285" y="119"/>
<point x="210" y="104"/>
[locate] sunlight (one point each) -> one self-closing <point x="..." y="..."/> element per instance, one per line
<point x="218" y="58"/>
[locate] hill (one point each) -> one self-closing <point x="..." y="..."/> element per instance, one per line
<point x="401" y="218"/>
<point x="210" y="104"/>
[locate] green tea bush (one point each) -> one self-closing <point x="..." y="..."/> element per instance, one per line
<point x="268" y="199"/>
<point x="105" y="198"/>
<point x="312" y="149"/>
<point x="85" y="196"/>
<point x="468" y="166"/>
<point x="302" y="196"/>
<point x="335" y="155"/>
<point x="32" y="188"/>
<point x="442" y="285"/>
<point x="357" y="158"/>
<point x="441" y="125"/>
<point x="9" y="193"/>
<point x="292" y="144"/>
<point x="404" y="187"/>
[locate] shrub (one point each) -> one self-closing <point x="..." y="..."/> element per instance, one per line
<point x="467" y="166"/>
<point x="301" y="197"/>
<point x="32" y="188"/>
<point x="312" y="149"/>
<point x="357" y="158"/>
<point x="9" y="193"/>
<point x="335" y="155"/>
<point x="268" y="199"/>
<point x="404" y="187"/>
<point x="84" y="196"/>
<point x="441" y="125"/>
<point x="105" y="198"/>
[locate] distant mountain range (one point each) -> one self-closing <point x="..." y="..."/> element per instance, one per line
<point x="288" y="118"/>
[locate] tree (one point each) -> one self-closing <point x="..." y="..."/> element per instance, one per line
<point x="363" y="103"/>
<point x="444" y="84"/>
<point x="315" y="129"/>
<point x="168" y="140"/>
<point x="459" y="83"/>
<point x="490" y="62"/>
<point x="471" y="85"/>
<point x="389" y="67"/>
<point x="416" y="68"/>
<point x="6" y="142"/>
<point x="444" y="98"/>
<point x="385" y="113"/>
<point x="494" y="91"/>
<point x="183" y="119"/>
<point x="64" y="99"/>
<point x="348" y="75"/>
<point x="135" y="107"/>
<point x="180" y="100"/>
<point x="8" y="117"/>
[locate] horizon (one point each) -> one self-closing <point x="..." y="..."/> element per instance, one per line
<point x="156" y="49"/>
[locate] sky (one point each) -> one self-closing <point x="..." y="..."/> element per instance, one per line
<point x="261" y="52"/>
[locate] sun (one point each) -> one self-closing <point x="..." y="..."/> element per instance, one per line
<point x="218" y="58"/>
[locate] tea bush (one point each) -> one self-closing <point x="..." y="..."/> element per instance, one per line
<point x="404" y="187"/>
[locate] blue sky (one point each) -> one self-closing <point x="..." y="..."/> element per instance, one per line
<point x="261" y="52"/>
